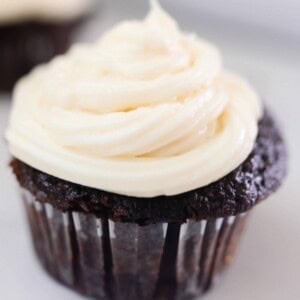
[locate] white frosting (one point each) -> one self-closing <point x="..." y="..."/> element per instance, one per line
<point x="41" y="10"/>
<point x="146" y="111"/>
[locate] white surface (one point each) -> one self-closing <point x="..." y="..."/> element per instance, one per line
<point x="267" y="266"/>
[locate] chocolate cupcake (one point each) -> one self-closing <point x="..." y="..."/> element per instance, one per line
<point x="139" y="160"/>
<point x="33" y="32"/>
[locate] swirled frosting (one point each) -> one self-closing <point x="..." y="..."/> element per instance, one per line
<point x="41" y="10"/>
<point x="146" y="111"/>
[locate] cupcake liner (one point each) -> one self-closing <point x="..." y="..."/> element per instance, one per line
<point x="113" y="260"/>
<point x="26" y="45"/>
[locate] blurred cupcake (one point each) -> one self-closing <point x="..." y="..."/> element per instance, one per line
<point x="33" y="32"/>
<point x="139" y="160"/>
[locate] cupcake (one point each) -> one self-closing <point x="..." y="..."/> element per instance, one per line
<point x="33" y="32"/>
<point x="139" y="161"/>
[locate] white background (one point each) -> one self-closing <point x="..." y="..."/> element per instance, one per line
<point x="268" y="264"/>
<point x="279" y="15"/>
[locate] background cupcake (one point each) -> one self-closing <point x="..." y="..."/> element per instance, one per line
<point x="33" y="31"/>
<point x="141" y="165"/>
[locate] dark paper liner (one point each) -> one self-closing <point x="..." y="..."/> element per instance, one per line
<point x="103" y="259"/>
<point x="25" y="45"/>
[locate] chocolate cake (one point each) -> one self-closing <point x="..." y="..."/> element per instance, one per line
<point x="140" y="162"/>
<point x="109" y="246"/>
<point x="260" y="175"/>
<point x="28" y="44"/>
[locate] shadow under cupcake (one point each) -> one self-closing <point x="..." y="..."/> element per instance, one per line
<point x="141" y="164"/>
<point x="33" y="32"/>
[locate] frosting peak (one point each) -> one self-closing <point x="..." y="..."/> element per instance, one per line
<point x="145" y="111"/>
<point x="131" y="66"/>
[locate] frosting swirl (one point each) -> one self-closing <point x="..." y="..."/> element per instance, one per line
<point x="146" y="111"/>
<point x="49" y="10"/>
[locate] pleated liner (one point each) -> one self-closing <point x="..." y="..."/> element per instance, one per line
<point x="103" y="259"/>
